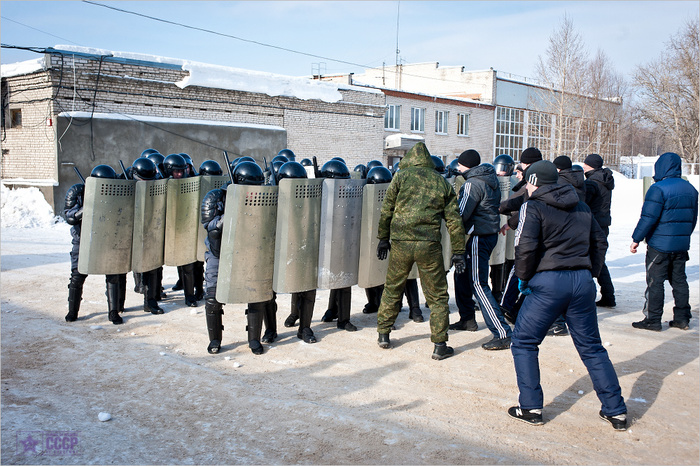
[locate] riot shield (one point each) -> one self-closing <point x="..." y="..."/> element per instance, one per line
<point x="206" y="184"/>
<point x="107" y="228"/>
<point x="149" y="225"/>
<point x="246" y="261"/>
<point x="498" y="255"/>
<point x="339" y="237"/>
<point x="371" y="271"/>
<point x="182" y="221"/>
<point x="510" y="234"/>
<point x="457" y="182"/>
<point x="446" y="246"/>
<point x="297" y="235"/>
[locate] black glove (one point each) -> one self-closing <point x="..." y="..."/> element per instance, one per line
<point x="459" y="263"/>
<point x="383" y="249"/>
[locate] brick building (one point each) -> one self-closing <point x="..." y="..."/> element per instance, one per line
<point x="82" y="107"/>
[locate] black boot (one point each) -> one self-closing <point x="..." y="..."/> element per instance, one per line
<point x="214" y="312"/>
<point x="113" y="295"/>
<point x="188" y="284"/>
<point x="411" y="291"/>
<point x="151" y="293"/>
<point x="332" y="312"/>
<point x="199" y="280"/>
<point x="255" y="314"/>
<point x="442" y="351"/>
<point x="270" y="319"/>
<point x="374" y="298"/>
<point x="75" y="295"/>
<point x="291" y="320"/>
<point x="122" y="292"/>
<point x="178" y="285"/>
<point x="306" y="312"/>
<point x="496" y="274"/>
<point x="138" y="283"/>
<point x="343" y="301"/>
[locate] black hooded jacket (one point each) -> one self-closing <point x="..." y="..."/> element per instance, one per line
<point x="479" y="199"/>
<point x="556" y="231"/>
<point x="599" y="186"/>
<point x="576" y="179"/>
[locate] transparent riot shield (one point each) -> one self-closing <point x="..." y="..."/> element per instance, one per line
<point x="149" y="225"/>
<point x="371" y="271"/>
<point x="182" y="221"/>
<point x="206" y="184"/>
<point x="339" y="236"/>
<point x="247" y="257"/>
<point x="297" y="235"/>
<point x="107" y="228"/>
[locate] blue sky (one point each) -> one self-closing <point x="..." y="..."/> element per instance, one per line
<point x="506" y="35"/>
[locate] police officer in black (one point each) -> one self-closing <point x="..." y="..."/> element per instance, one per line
<point x="144" y="169"/>
<point x="115" y="284"/>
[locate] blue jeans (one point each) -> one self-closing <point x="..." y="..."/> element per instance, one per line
<point x="553" y="293"/>
<point x="475" y="282"/>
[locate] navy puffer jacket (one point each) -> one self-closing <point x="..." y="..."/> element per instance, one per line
<point x="670" y="209"/>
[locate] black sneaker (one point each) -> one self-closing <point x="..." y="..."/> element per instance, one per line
<point x="383" y="341"/>
<point x="558" y="330"/>
<point x="469" y="325"/>
<point x="497" y="344"/>
<point x="647" y="324"/>
<point x="509" y="315"/>
<point x="606" y="302"/>
<point x="619" y="421"/>
<point x="679" y="324"/>
<point x="531" y="416"/>
<point x="442" y="351"/>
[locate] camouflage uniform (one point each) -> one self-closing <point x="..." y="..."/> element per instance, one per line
<point x="416" y="202"/>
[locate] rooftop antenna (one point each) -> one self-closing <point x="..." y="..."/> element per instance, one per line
<point x="396" y="75"/>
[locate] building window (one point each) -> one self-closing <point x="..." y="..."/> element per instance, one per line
<point x="509" y="132"/>
<point x="392" y="118"/>
<point x="539" y="132"/>
<point x="16" y="118"/>
<point x="418" y="119"/>
<point x="441" y="122"/>
<point x="463" y="124"/>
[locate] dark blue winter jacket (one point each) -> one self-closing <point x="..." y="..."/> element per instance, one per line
<point x="670" y="209"/>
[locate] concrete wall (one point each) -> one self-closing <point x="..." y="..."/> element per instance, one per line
<point x="91" y="142"/>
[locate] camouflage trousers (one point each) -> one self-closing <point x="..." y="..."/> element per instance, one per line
<point x="431" y="269"/>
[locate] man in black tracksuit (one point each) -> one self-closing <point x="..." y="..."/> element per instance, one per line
<point x="479" y="199"/>
<point x="599" y="186"/>
<point x="559" y="247"/>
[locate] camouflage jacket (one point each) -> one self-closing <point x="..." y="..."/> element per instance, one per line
<point x="417" y="201"/>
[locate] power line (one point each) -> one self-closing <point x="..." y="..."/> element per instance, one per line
<point x="38" y="30"/>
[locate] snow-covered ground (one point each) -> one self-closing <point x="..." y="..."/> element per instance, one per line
<point x="340" y="401"/>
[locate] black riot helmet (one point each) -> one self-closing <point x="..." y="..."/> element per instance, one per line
<point x="307" y="163"/>
<point x="148" y="152"/>
<point x="374" y="163"/>
<point x="210" y="168"/>
<point x="505" y="164"/>
<point x="144" y="168"/>
<point x="190" y="163"/>
<point x="395" y="168"/>
<point x="277" y="164"/>
<point x="245" y="158"/>
<point x="248" y="172"/>
<point x="281" y="158"/>
<point x="287" y="153"/>
<point x="174" y="165"/>
<point x="576" y="168"/>
<point x="378" y="175"/>
<point x="334" y="168"/>
<point x="157" y="158"/>
<point x="103" y="171"/>
<point x="439" y="164"/>
<point x="452" y="168"/>
<point x="362" y="169"/>
<point x="339" y="159"/>
<point x="292" y="170"/>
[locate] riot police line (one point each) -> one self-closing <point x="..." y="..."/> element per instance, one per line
<point x="286" y="228"/>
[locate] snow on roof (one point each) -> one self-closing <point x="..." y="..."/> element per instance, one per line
<point x="155" y="119"/>
<point x="23" y="67"/>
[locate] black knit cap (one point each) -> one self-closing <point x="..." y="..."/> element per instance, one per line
<point x="562" y="162"/>
<point x="541" y="173"/>
<point x="594" y="161"/>
<point x="469" y="158"/>
<point x="530" y="155"/>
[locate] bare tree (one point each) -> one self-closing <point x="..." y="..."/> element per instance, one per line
<point x="584" y="96"/>
<point x="668" y="92"/>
